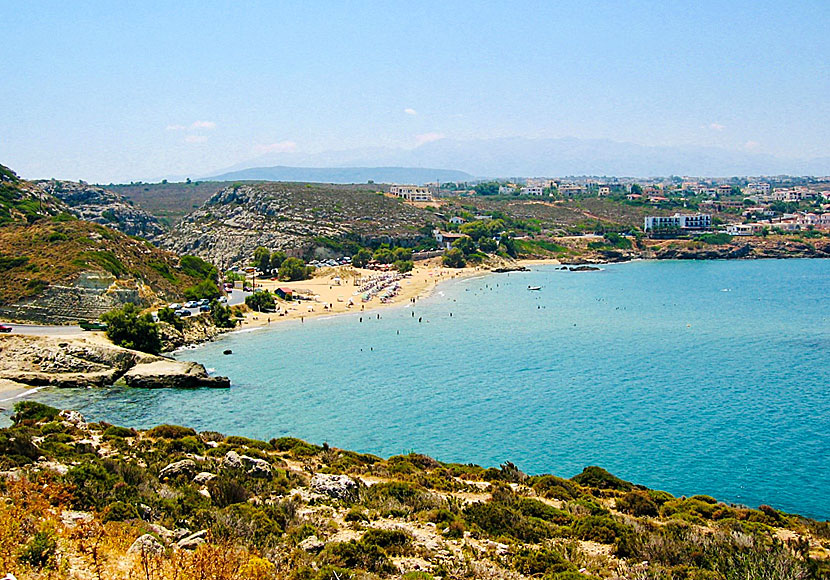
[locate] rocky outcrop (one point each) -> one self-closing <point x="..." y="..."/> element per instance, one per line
<point x="195" y="329"/>
<point x="91" y="362"/>
<point x="171" y="374"/>
<point x="288" y="217"/>
<point x="91" y="295"/>
<point x="99" y="205"/>
<point x="253" y="466"/>
<point x="185" y="467"/>
<point x="336" y="486"/>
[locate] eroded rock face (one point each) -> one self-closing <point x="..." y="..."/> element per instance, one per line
<point x="336" y="486"/>
<point x="99" y="205"/>
<point x="280" y="216"/>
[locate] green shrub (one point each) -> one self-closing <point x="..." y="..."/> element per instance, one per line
<point x="119" y="511"/>
<point x="115" y="431"/>
<point x="169" y="316"/>
<point x="594" y="476"/>
<point x="93" y="485"/>
<point x="33" y="412"/>
<point x="550" y="486"/>
<point x="497" y="519"/>
<point x="637" y="503"/>
<point x="393" y="542"/>
<point x="368" y="557"/>
<point x="170" y="432"/>
<point x="40" y="551"/>
<point x="600" y="529"/>
<point x="245" y="442"/>
<point x="533" y="562"/>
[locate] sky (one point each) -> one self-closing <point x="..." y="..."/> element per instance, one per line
<point x="120" y="91"/>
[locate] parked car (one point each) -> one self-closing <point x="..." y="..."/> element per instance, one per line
<point x="191" y="304"/>
<point x="204" y="308"/>
<point x="204" y="301"/>
<point x="92" y="325"/>
<point x="223" y="299"/>
<point x="5" y="328"/>
<point x="174" y="306"/>
<point x="182" y="312"/>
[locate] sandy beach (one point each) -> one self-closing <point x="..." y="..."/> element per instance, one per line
<point x="338" y="291"/>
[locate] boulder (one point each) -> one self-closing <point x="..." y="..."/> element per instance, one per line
<point x="203" y="477"/>
<point x="192" y="541"/>
<point x="146" y="544"/>
<point x="184" y="467"/>
<point x="336" y="486"/>
<point x="257" y="467"/>
<point x="171" y="374"/>
<point x="312" y="544"/>
<point x="231" y="461"/>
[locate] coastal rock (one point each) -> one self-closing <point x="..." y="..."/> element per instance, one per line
<point x="146" y="544"/>
<point x="256" y="467"/>
<point x="312" y="544"/>
<point x="232" y="460"/>
<point x="203" y="477"/>
<point x="73" y="418"/>
<point x="335" y="486"/>
<point x="165" y="373"/>
<point x="184" y="467"/>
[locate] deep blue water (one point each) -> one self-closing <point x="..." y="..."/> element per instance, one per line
<point x="693" y="377"/>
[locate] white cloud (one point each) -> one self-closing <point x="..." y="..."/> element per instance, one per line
<point x="194" y="126"/>
<point x="717" y="126"/>
<point x="410" y="111"/>
<point x="195" y="139"/>
<point x="751" y="145"/>
<point x="428" y="138"/>
<point x="278" y="147"/>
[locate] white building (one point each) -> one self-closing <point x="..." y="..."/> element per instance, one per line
<point x="411" y="192"/>
<point x="446" y="239"/>
<point x="568" y="189"/>
<point x="758" y="188"/>
<point x="457" y="220"/>
<point x="534" y="190"/>
<point x="698" y="221"/>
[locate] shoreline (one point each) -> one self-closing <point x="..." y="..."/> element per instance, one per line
<point x="420" y="283"/>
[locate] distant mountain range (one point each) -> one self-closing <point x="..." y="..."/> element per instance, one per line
<point x="517" y="157"/>
<point x="415" y="175"/>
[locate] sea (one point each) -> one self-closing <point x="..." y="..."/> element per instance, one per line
<point x="695" y="377"/>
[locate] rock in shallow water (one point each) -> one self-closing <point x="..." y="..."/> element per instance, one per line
<point x="172" y="374"/>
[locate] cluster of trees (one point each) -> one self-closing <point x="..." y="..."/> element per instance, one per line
<point x="286" y="268"/>
<point x="400" y="257"/>
<point x="260" y="301"/>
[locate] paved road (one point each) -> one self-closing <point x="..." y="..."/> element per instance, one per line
<point x="39" y="330"/>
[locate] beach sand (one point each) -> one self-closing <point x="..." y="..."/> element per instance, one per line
<point x="325" y="290"/>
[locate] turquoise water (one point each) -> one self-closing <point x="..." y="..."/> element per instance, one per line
<point x="693" y="377"/>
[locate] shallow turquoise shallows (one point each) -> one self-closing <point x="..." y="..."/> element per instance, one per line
<point x="693" y="377"/>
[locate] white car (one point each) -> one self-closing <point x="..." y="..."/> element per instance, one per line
<point x="174" y="306"/>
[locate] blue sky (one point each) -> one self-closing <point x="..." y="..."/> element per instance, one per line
<point x="111" y="91"/>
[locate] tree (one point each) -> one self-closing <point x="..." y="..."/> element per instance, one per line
<point x="127" y="327"/>
<point x="465" y="244"/>
<point x="221" y="314"/>
<point x="475" y="230"/>
<point x="260" y="301"/>
<point x="402" y="254"/>
<point x="362" y="258"/>
<point x="384" y="256"/>
<point x="204" y="289"/>
<point x="277" y="258"/>
<point x="508" y="245"/>
<point x="404" y="266"/>
<point x="454" y="258"/>
<point x="488" y="188"/>
<point x="262" y="259"/>
<point x="167" y="315"/>
<point x="294" y="269"/>
<point x="637" y="189"/>
<point x="488" y="245"/>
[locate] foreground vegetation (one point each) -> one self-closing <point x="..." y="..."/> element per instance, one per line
<point x="100" y="501"/>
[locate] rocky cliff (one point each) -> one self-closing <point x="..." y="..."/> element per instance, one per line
<point x="289" y="217"/>
<point x="102" y="206"/>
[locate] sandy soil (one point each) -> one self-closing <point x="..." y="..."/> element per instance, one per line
<point x="330" y="292"/>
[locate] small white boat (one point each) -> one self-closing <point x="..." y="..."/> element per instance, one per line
<point x="534" y="287"/>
